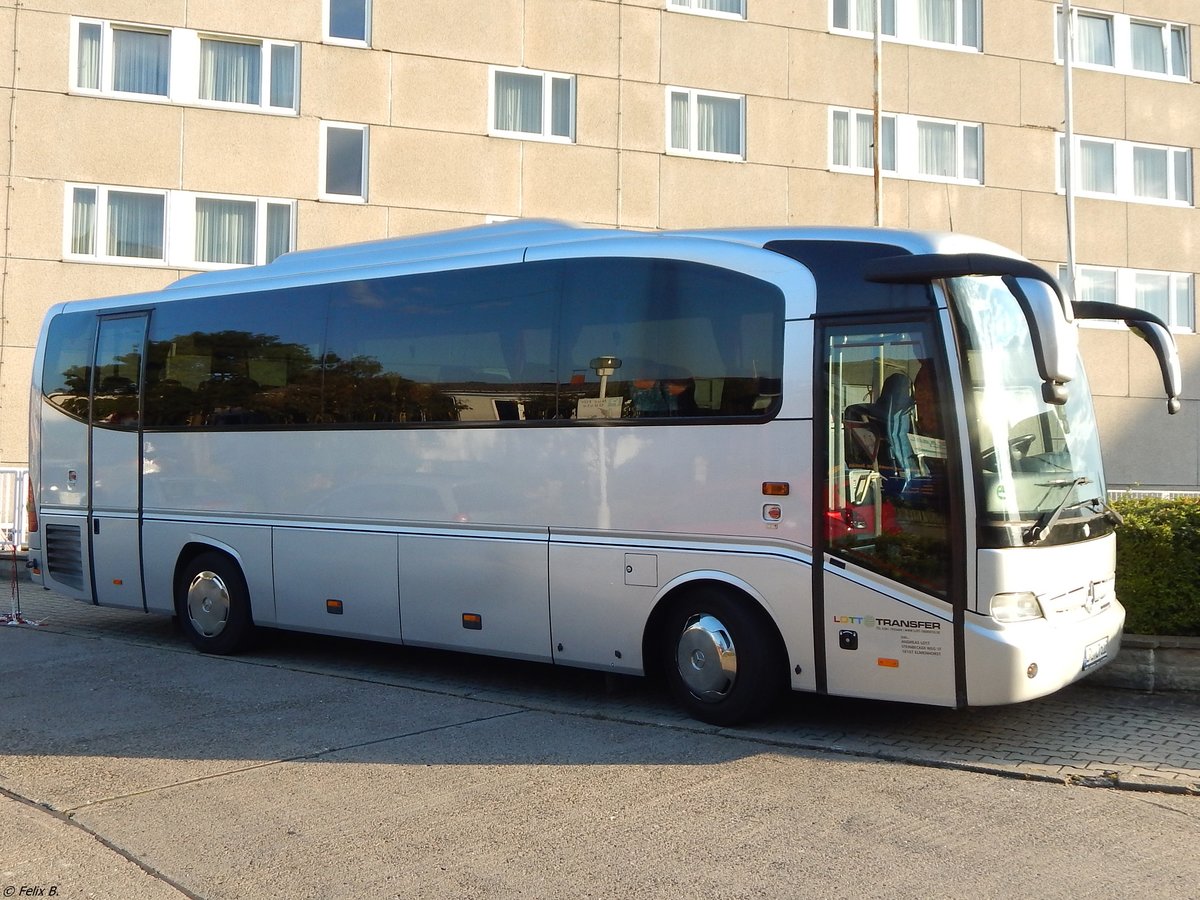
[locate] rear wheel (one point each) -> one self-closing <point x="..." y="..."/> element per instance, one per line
<point x="214" y="604"/>
<point x="723" y="659"/>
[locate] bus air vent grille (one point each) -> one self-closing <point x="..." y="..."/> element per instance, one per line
<point x="64" y="554"/>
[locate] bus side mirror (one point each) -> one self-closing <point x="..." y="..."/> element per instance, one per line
<point x="1151" y="329"/>
<point x="1055" y="346"/>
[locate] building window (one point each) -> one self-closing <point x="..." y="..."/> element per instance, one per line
<point x="128" y="225"/>
<point x="706" y="123"/>
<point x="344" y="154"/>
<point x="1128" y="45"/>
<point x="949" y="23"/>
<point x="1169" y="295"/>
<point x="529" y="104"/>
<point x="1123" y="170"/>
<point x="726" y="9"/>
<point x="915" y="148"/>
<point x="184" y="66"/>
<point x="348" y="21"/>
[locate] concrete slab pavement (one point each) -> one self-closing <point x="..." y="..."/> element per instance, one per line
<point x="1086" y="734"/>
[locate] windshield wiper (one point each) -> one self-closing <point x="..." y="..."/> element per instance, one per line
<point x="1100" y="505"/>
<point x="1040" y="530"/>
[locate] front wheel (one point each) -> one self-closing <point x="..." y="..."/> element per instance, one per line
<point x="724" y="662"/>
<point x="214" y="605"/>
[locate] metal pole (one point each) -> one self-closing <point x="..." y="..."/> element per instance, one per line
<point x="878" y="113"/>
<point x="1068" y="52"/>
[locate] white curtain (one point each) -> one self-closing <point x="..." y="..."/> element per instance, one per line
<point x="1179" y="64"/>
<point x="279" y="229"/>
<point x="719" y="125"/>
<point x="225" y="231"/>
<point x="141" y="62"/>
<point x="972" y="153"/>
<point x="1096" y="172"/>
<point x="230" y="72"/>
<point x="839" y="139"/>
<point x="519" y="102"/>
<point x="1096" y="285"/>
<point x="936" y="149"/>
<point x="1183" y="175"/>
<point x="283" y="76"/>
<point x="936" y="21"/>
<point x="88" y="61"/>
<point x="729" y="6"/>
<point x="1183" y="303"/>
<point x="135" y="225"/>
<point x="1152" y="292"/>
<point x="680" y="126"/>
<point x="1150" y="173"/>
<point x="1149" y="53"/>
<point x="83" y="221"/>
<point x="1093" y="40"/>
<point x="864" y="141"/>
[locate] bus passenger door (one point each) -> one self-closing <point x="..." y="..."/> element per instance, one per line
<point x="889" y="529"/>
<point x="114" y="516"/>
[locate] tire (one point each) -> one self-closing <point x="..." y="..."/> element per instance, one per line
<point x="213" y="604"/>
<point x="723" y="658"/>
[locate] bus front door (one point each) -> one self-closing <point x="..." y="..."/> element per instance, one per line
<point x="114" y="516"/>
<point x="884" y="617"/>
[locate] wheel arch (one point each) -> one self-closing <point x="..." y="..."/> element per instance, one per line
<point x="680" y="587"/>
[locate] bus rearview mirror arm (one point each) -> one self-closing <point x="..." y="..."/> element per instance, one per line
<point x="1046" y="311"/>
<point x="1151" y="329"/>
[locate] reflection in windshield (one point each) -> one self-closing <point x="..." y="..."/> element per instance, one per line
<point x="1030" y="456"/>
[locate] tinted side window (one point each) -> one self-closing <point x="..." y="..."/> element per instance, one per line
<point x="676" y="339"/>
<point x="249" y="360"/>
<point x="66" y="369"/>
<point x="474" y="345"/>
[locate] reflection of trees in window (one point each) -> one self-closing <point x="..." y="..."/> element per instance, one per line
<point x="358" y="391"/>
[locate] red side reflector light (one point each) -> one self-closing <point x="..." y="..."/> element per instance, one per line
<point x="31" y="518"/>
<point x="776" y="488"/>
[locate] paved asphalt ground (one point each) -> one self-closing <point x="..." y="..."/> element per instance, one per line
<point x="108" y="719"/>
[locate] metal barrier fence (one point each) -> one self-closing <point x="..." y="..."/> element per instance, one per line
<point x="13" y="492"/>
<point x="1138" y="494"/>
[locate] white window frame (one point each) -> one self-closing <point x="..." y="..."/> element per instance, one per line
<point x="690" y="6"/>
<point x="906" y="152"/>
<point x="1124" y="189"/>
<point x="327" y="21"/>
<point x="1126" y="293"/>
<point x="908" y="28"/>
<point x="322" y="172"/>
<point x="694" y="95"/>
<point x="548" y="79"/>
<point x="179" y="227"/>
<point x="183" y="86"/>
<point x="1121" y="25"/>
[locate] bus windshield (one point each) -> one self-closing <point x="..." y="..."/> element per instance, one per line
<point x="1034" y="462"/>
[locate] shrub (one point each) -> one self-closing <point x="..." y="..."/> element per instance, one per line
<point x="1158" y="565"/>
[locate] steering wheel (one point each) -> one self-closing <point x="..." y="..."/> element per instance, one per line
<point x="1018" y="446"/>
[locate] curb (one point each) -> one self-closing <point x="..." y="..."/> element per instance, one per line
<point x="1154" y="663"/>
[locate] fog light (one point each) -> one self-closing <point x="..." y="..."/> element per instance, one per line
<point x="1031" y="672"/>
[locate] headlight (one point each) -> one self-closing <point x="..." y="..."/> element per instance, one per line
<point x="1016" y="607"/>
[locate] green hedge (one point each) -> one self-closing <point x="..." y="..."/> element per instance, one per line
<point x="1158" y="565"/>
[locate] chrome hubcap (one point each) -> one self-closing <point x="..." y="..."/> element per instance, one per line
<point x="208" y="604"/>
<point x="706" y="658"/>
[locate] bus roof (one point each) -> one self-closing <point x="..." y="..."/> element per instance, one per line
<point x="519" y="235"/>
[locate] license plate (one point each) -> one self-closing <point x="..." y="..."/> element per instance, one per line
<point x="1095" y="653"/>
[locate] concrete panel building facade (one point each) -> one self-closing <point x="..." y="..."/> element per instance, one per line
<point x="145" y="141"/>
